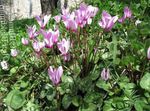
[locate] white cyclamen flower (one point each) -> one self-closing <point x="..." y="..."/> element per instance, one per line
<point x="4" y="65"/>
<point x="14" y="52"/>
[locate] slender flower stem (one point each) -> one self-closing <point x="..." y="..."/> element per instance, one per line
<point x="45" y="59"/>
<point x="58" y="99"/>
<point x="97" y="44"/>
<point x="78" y="37"/>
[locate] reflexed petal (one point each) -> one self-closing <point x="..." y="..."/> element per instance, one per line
<point x="121" y="20"/>
<point x="127" y="12"/>
<point x="64" y="46"/>
<point x="106" y="15"/>
<point x="89" y="21"/>
<point x="83" y="6"/>
<point x="39" y="20"/>
<point x="55" y="36"/>
<point x="24" y="41"/>
<point x="59" y="74"/>
<point x="111" y="22"/>
<point x="105" y="74"/>
<point x="102" y="24"/>
<point x="46" y="19"/>
<point x="57" y="18"/>
<point x="51" y="74"/>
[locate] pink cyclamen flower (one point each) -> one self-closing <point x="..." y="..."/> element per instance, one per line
<point x="55" y="74"/>
<point x="85" y="14"/>
<point x="105" y="74"/>
<point x="66" y="57"/>
<point x="64" y="46"/>
<point x="14" y="52"/>
<point x="42" y="21"/>
<point x="148" y="53"/>
<point x="24" y="41"/>
<point x="71" y="25"/>
<point x="57" y="18"/>
<point x="32" y="32"/>
<point x="55" y="35"/>
<point x="127" y="14"/>
<point x="65" y="14"/>
<point x="48" y="38"/>
<point x="107" y="21"/>
<point x="4" y="65"/>
<point x="70" y="22"/>
<point x="38" y="46"/>
<point x="92" y="11"/>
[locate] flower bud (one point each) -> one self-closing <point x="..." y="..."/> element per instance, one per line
<point x="105" y="74"/>
<point x="4" y="65"/>
<point x="24" y="41"/>
<point x="14" y="52"/>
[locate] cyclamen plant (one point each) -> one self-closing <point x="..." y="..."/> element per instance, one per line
<point x="69" y="41"/>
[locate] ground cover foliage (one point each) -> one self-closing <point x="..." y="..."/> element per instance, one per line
<point x="92" y="64"/>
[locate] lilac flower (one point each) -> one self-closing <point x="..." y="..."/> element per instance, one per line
<point x="107" y="21"/>
<point x="25" y="41"/>
<point x="42" y="21"/>
<point x="148" y="53"/>
<point x="38" y="46"/>
<point x="32" y="32"/>
<point x="57" y="18"/>
<point x="14" y="52"/>
<point x="4" y="65"/>
<point x="127" y="14"/>
<point x="105" y="74"/>
<point x="55" y="74"/>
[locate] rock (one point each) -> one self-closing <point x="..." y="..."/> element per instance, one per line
<point x="70" y="3"/>
<point x="18" y="9"/>
<point x="24" y="9"/>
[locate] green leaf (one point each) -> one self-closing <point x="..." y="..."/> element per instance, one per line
<point x="75" y="101"/>
<point x="114" y="53"/>
<point x="13" y="70"/>
<point x="145" y="82"/>
<point x="88" y="107"/>
<point x="138" y="105"/>
<point x="15" y="99"/>
<point x="42" y="94"/>
<point x="103" y="84"/>
<point x="66" y="101"/>
<point x="67" y="79"/>
<point x="24" y="84"/>
<point x="108" y="106"/>
<point x="95" y="74"/>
